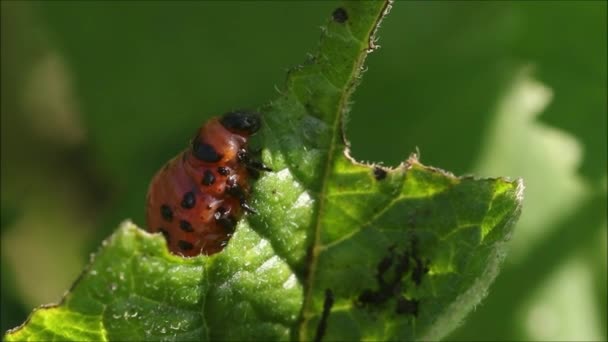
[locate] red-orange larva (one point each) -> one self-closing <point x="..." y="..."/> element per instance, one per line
<point x="196" y="199"/>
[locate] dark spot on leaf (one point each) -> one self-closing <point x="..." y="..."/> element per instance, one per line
<point x="420" y="269"/>
<point x="384" y="266"/>
<point x="184" y="245"/>
<point x="208" y="178"/>
<point x="392" y="274"/>
<point x="379" y="173"/>
<point x="372" y="297"/>
<point x="402" y="265"/>
<point x="389" y="283"/>
<point x="327" y="304"/>
<point x="166" y="213"/>
<point x="406" y="306"/>
<point x="186" y="226"/>
<point x="189" y="200"/>
<point x="340" y="15"/>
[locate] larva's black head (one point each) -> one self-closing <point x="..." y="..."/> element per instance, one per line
<point x="241" y="122"/>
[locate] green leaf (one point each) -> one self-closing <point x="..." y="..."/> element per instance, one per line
<point x="339" y="251"/>
<point x="136" y="290"/>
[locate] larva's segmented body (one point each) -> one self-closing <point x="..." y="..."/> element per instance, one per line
<point x="196" y="199"/>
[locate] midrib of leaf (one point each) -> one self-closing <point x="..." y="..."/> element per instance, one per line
<point x="338" y="140"/>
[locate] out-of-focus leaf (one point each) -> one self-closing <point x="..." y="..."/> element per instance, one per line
<point x="574" y="66"/>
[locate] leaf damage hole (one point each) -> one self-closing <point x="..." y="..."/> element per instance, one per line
<point x="391" y="274"/>
<point x="340" y="15"/>
<point x="327" y="304"/>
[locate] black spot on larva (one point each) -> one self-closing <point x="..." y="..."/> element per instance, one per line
<point x="165" y="234"/>
<point x="205" y="152"/>
<point x="406" y="306"/>
<point x="340" y="15"/>
<point x="184" y="245"/>
<point x="166" y="213"/>
<point x="224" y="171"/>
<point x="208" y="178"/>
<point x="379" y="173"/>
<point x="189" y="200"/>
<point x="327" y="304"/>
<point x="186" y="226"/>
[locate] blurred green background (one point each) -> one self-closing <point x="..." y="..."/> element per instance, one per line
<point x="97" y="95"/>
